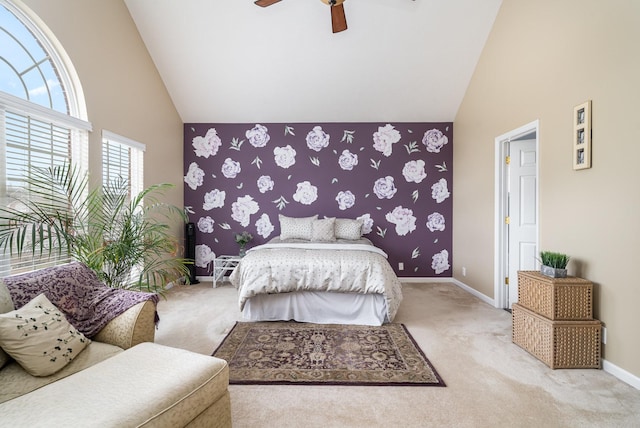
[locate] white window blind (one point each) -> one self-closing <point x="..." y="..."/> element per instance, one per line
<point x="123" y="157"/>
<point x="28" y="143"/>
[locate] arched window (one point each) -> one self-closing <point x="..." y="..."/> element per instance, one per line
<point x="42" y="114"/>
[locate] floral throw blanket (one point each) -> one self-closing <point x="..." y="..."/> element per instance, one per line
<point x="75" y="289"/>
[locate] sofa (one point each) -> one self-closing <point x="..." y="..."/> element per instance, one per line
<point x="119" y="378"/>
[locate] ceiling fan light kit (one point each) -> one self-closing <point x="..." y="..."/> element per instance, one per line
<point x="338" y="18"/>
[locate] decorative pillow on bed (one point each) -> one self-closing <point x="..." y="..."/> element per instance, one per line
<point x="39" y="337"/>
<point x="346" y="228"/>
<point x="324" y="230"/>
<point x="298" y="228"/>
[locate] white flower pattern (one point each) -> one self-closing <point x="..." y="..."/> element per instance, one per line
<point x="317" y="139"/>
<point x="230" y="168"/>
<point x="413" y="171"/>
<point x="439" y="191"/>
<point x="258" y="136"/>
<point x="345" y="199"/>
<point x="205" y="224"/>
<point x="306" y="193"/>
<point x="384" y="188"/>
<point x="208" y="145"/>
<point x="204" y="255"/>
<point x="265" y="183"/>
<point x="384" y="139"/>
<point x="214" y="199"/>
<point x="243" y="208"/>
<point x="435" y="222"/>
<point x="264" y="226"/>
<point x="347" y="160"/>
<point x="367" y="223"/>
<point x="194" y="177"/>
<point x="434" y="140"/>
<point x="404" y="220"/>
<point x="284" y="156"/>
<point x="440" y="262"/>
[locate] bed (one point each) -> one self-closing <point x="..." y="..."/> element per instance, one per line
<point x="318" y="280"/>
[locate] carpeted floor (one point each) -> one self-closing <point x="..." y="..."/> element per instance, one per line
<point x="490" y="381"/>
<point x="325" y="354"/>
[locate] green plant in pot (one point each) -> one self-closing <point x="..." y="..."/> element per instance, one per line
<point x="554" y="264"/>
<point x="126" y="241"/>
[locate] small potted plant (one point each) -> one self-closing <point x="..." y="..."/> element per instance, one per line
<point x="554" y="264"/>
<point x="242" y="239"/>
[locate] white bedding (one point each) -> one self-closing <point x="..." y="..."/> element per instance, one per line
<point x="336" y="267"/>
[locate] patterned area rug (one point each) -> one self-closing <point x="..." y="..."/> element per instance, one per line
<point x="325" y="354"/>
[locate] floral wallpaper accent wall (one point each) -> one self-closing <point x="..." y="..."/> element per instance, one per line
<point x="397" y="177"/>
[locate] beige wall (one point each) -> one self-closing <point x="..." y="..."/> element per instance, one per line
<point x="541" y="59"/>
<point x="123" y="90"/>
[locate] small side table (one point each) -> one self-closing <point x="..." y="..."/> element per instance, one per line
<point x="223" y="265"/>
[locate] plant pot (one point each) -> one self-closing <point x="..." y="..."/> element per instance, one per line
<point x="553" y="272"/>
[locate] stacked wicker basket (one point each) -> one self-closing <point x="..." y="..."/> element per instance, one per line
<point x="553" y="320"/>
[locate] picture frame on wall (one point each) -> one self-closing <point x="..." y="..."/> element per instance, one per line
<point x="582" y="136"/>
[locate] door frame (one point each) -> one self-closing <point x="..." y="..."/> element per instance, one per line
<point x="501" y="298"/>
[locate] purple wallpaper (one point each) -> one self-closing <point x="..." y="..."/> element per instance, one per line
<point x="397" y="177"/>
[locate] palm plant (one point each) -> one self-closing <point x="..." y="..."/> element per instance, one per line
<point x="127" y="242"/>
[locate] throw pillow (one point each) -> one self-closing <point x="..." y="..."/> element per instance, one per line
<point x="324" y="230"/>
<point x="6" y="305"/>
<point x="296" y="228"/>
<point x="348" y="229"/>
<point x="39" y="337"/>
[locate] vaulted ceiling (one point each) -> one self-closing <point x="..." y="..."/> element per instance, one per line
<point x="232" y="61"/>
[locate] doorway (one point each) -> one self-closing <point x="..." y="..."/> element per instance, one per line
<point x="517" y="219"/>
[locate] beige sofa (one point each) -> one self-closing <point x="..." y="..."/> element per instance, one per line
<point x="121" y="379"/>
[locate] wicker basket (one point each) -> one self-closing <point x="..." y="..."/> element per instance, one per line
<point x="558" y="344"/>
<point x="568" y="298"/>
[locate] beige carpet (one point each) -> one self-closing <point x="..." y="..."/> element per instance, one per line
<point x="490" y="381"/>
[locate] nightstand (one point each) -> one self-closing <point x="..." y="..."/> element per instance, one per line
<point x="224" y="265"/>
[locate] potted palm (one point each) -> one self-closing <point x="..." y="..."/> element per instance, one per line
<point x="125" y="240"/>
<point x="554" y="264"/>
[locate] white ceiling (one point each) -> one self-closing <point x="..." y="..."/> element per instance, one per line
<point x="232" y="61"/>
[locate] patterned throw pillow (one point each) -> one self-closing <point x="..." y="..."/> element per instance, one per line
<point x="296" y="228"/>
<point x="6" y="305"/>
<point x="40" y="338"/>
<point x="324" y="230"/>
<point x="346" y="228"/>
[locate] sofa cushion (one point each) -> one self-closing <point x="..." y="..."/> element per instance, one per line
<point x="148" y="385"/>
<point x="39" y="337"/>
<point x="6" y="305"/>
<point x="16" y="382"/>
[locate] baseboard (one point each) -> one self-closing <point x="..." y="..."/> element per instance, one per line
<point x="621" y="374"/>
<point x="475" y="292"/>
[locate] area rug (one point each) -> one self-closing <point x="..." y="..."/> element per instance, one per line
<point x="325" y="354"/>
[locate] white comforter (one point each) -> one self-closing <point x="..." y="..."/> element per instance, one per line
<point x="341" y="266"/>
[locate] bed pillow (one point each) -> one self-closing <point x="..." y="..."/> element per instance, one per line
<point x="39" y="337"/>
<point x="346" y="228"/>
<point x="296" y="227"/>
<point x="324" y="230"/>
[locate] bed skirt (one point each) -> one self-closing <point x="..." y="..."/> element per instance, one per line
<point x="318" y="307"/>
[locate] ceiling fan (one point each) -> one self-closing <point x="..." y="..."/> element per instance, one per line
<point x="338" y="19"/>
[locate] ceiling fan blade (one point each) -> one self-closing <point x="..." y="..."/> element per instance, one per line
<point x="265" y="3"/>
<point x="338" y="19"/>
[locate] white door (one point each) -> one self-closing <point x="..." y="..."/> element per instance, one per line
<point x="522" y="211"/>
